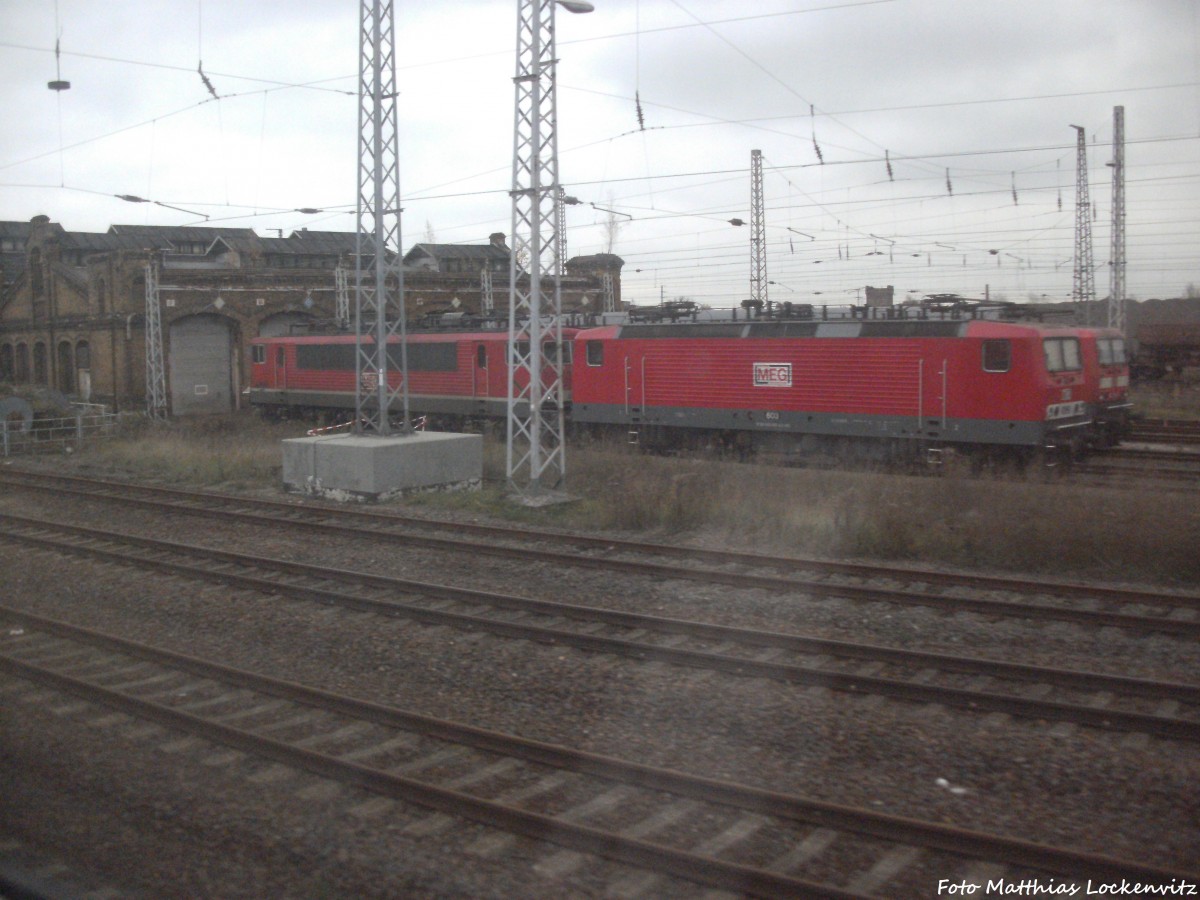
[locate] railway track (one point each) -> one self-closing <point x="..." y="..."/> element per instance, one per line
<point x="1088" y="605"/>
<point x="1163" y="709"/>
<point x="665" y="822"/>
<point x="1165" y="432"/>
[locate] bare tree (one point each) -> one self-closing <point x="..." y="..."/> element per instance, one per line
<point x="612" y="228"/>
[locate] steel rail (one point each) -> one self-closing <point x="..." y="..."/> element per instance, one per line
<point x="897" y="829"/>
<point x="325" y="518"/>
<point x="643" y="854"/>
<point x="974" y="700"/>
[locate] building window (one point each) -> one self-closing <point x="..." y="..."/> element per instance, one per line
<point x="997" y="356"/>
<point x="41" y="372"/>
<point x="66" y="367"/>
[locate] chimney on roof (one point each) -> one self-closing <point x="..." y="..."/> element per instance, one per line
<point x="497" y="240"/>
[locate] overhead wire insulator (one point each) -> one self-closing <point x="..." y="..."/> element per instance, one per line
<point x="208" y="84"/>
<point x="949" y="186"/>
<point x="1014" y="188"/>
<point x="888" y="159"/>
<point x="58" y="84"/>
<point x="641" y="117"/>
<point x="812" y="117"/>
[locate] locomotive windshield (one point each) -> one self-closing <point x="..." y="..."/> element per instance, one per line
<point x="1062" y="354"/>
<point x="1112" y="352"/>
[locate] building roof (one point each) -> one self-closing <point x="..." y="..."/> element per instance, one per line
<point x="458" y="251"/>
<point x="19" y="230"/>
<point x="326" y="241"/>
<point x="12" y="262"/>
<point x="99" y="243"/>
<point x="189" y="233"/>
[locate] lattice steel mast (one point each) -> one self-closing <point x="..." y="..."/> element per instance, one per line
<point x="536" y="457"/>
<point x="1084" y="287"/>
<point x="378" y="278"/>
<point x="156" y="373"/>
<point x="758" y="227"/>
<point x="1116" y="292"/>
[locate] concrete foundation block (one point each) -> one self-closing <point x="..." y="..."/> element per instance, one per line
<point x="360" y="467"/>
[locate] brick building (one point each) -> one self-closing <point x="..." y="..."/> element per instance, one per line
<point x="73" y="304"/>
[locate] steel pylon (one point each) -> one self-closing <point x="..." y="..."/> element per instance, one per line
<point x="536" y="451"/>
<point x="1084" y="287"/>
<point x="1116" y="293"/>
<point x="758" y="243"/>
<point x="380" y="375"/>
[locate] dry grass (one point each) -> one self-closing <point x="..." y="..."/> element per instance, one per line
<point x="1178" y="400"/>
<point x="233" y="451"/>
<point x="1028" y="526"/>
<point x="1033" y="526"/>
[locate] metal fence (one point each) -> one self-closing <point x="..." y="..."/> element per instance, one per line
<point x="86" y="422"/>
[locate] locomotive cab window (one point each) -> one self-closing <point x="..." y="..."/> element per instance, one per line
<point x="1062" y="354"/>
<point x="280" y="356"/>
<point x="481" y="356"/>
<point x="259" y="353"/>
<point x="1112" y="352"/>
<point x="595" y="353"/>
<point x="997" y="356"/>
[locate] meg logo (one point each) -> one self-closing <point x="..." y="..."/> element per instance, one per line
<point x="772" y="374"/>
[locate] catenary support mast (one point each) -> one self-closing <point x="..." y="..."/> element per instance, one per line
<point x="758" y="227"/>
<point x="1084" y="288"/>
<point x="1116" y="293"/>
<point x="536" y="452"/>
<point x="378" y="278"/>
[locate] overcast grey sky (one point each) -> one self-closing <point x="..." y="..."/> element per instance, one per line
<point x="969" y="102"/>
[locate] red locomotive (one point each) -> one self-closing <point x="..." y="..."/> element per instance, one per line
<point x="883" y="388"/>
<point x="886" y="388"/>
<point x="1107" y="366"/>
<point x="453" y="376"/>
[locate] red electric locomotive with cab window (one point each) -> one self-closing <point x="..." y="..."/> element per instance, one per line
<point x="883" y="389"/>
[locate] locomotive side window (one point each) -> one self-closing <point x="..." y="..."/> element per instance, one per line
<point x="280" y="356"/>
<point x="522" y="350"/>
<point x="595" y="353"/>
<point x="997" y="356"/>
<point x="1062" y="354"/>
<point x="481" y="356"/>
<point x="259" y="353"/>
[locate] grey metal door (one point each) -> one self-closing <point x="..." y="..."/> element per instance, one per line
<point x="201" y="358"/>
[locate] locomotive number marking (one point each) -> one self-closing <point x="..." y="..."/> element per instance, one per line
<point x="1065" y="410"/>
<point x="772" y="374"/>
